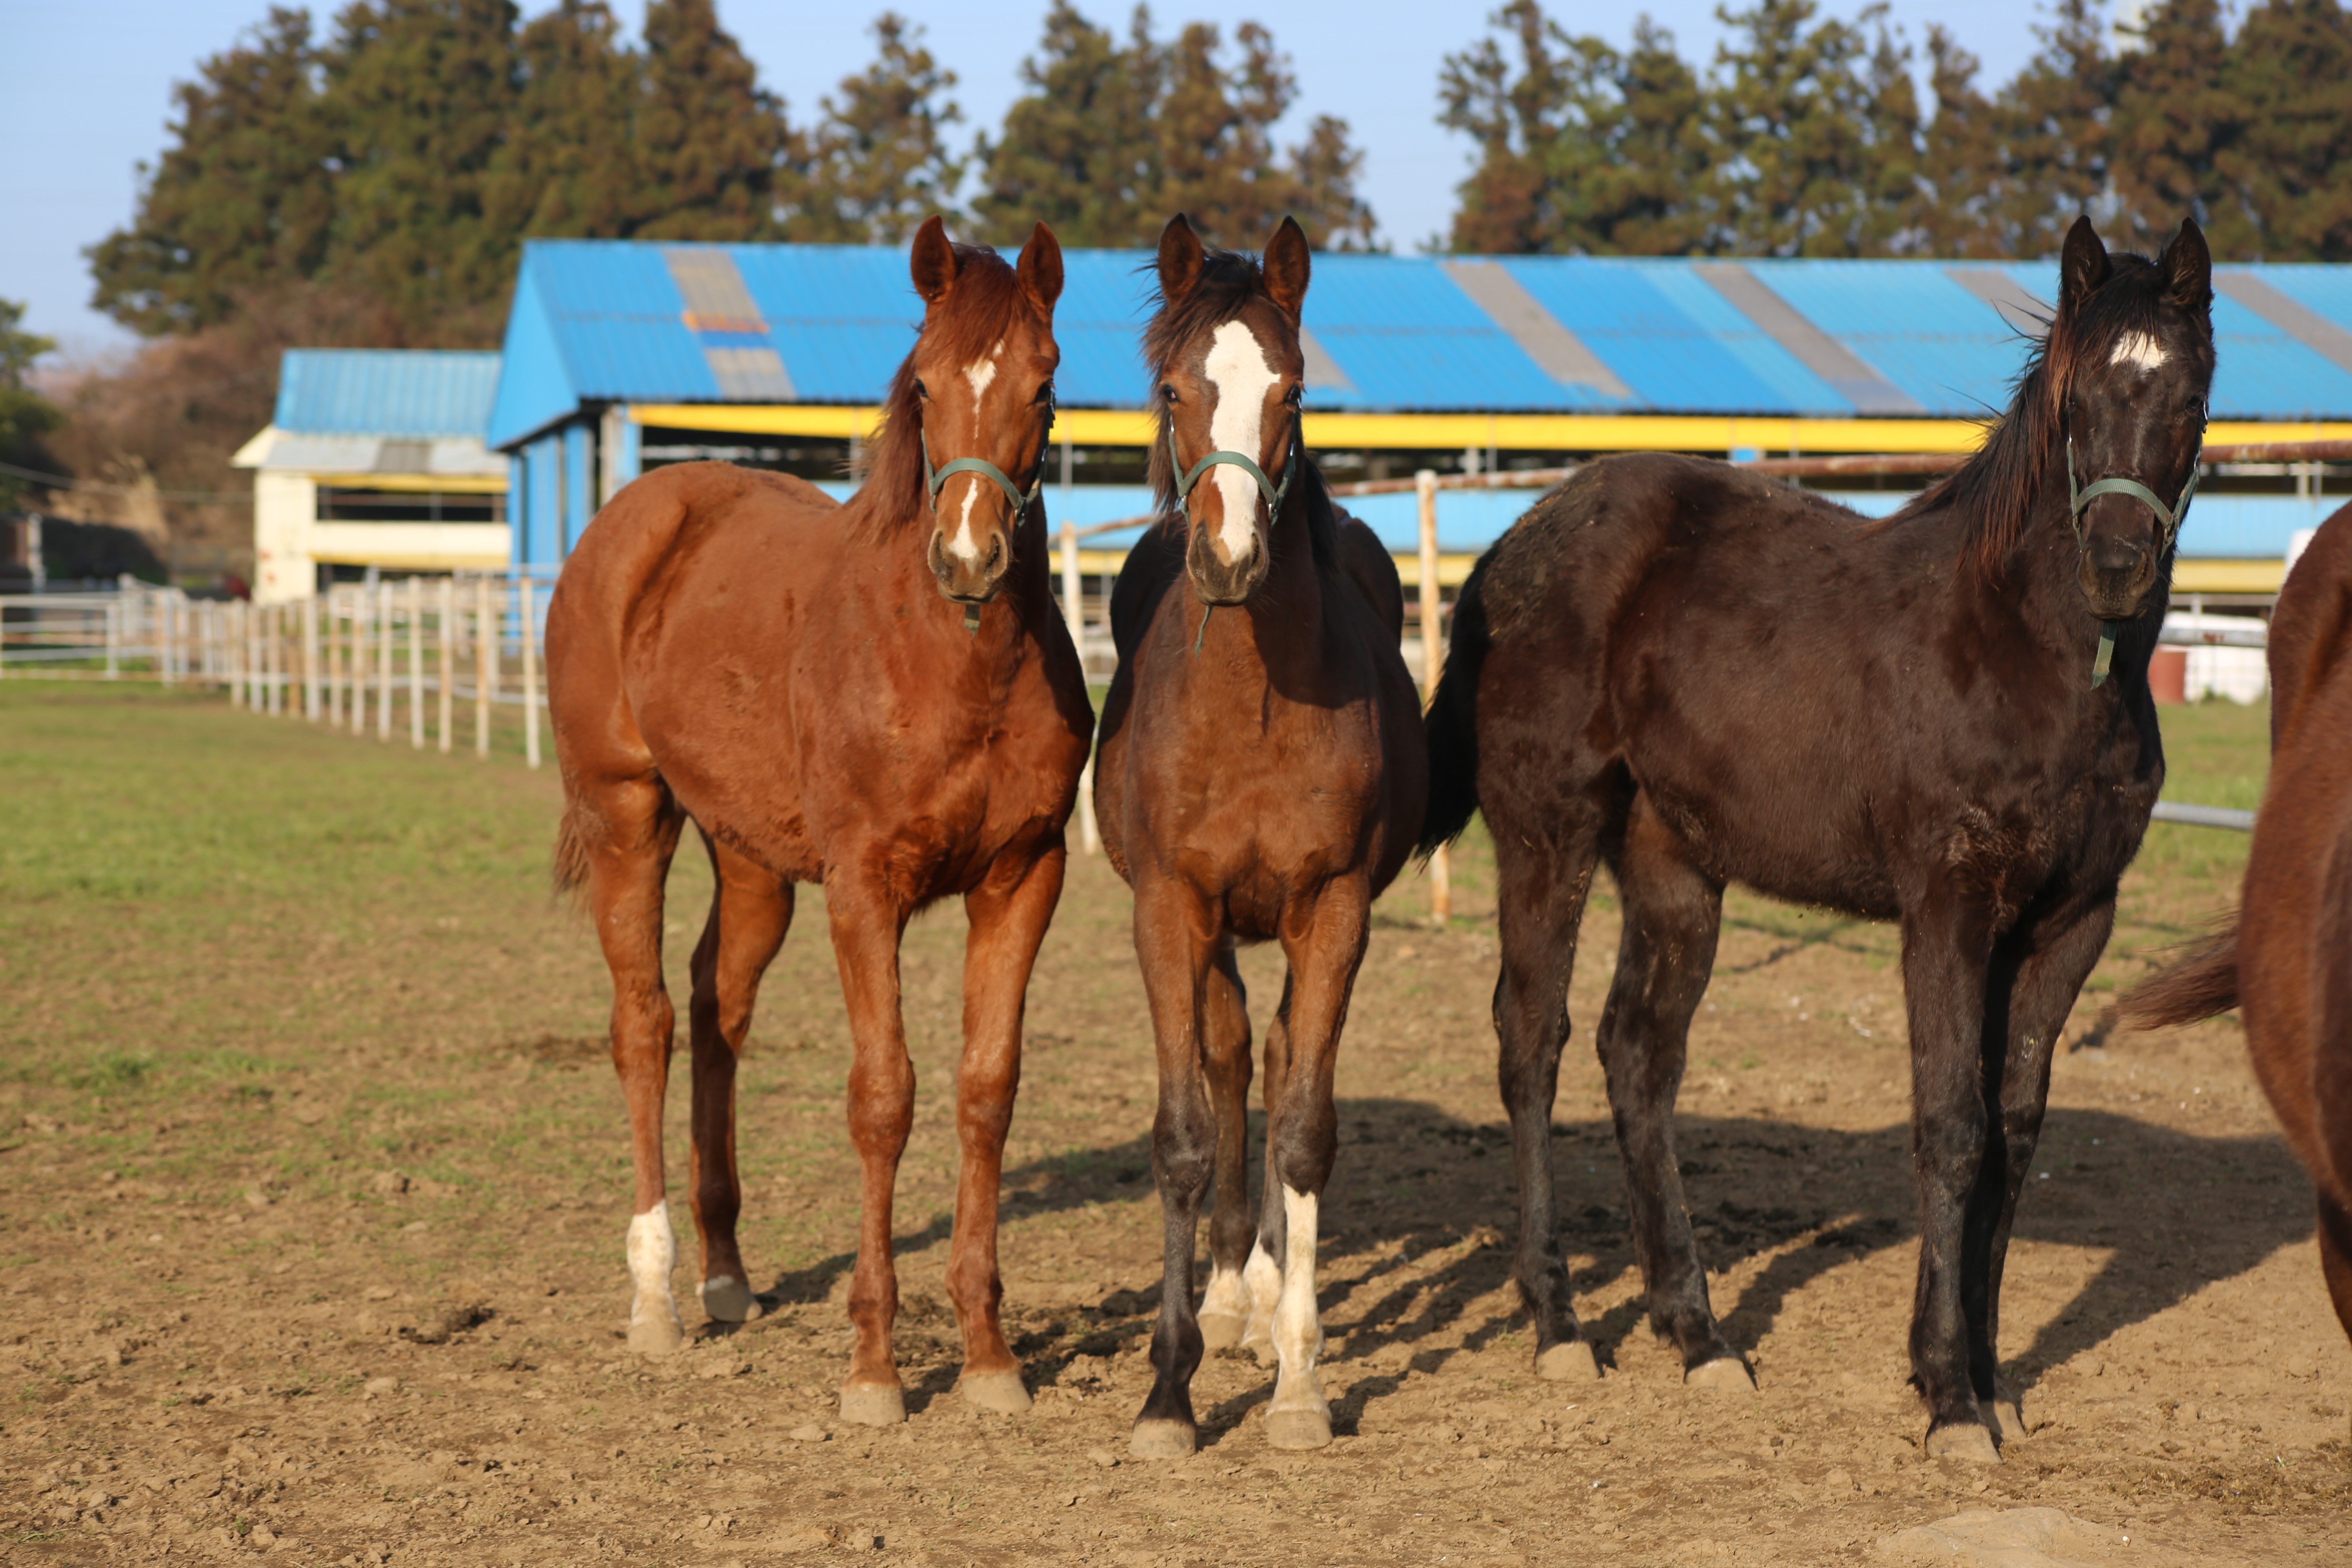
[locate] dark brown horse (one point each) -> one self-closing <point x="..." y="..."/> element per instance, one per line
<point x="2285" y="961"/>
<point x="1261" y="779"/>
<point x="878" y="696"/>
<point x="1699" y="676"/>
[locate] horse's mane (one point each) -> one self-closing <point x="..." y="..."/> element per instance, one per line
<point x="1995" y="489"/>
<point x="1229" y="280"/>
<point x="974" y="317"/>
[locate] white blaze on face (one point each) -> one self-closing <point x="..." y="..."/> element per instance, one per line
<point x="2137" y="349"/>
<point x="979" y="374"/>
<point x="1237" y="367"/>
<point x="652" y="1253"/>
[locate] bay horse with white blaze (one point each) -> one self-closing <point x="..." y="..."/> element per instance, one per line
<point x="878" y="696"/>
<point x="2285" y="960"/>
<point x="1261" y="779"/>
<point x="1700" y="676"/>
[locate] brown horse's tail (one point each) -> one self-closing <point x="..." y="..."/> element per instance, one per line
<point x="1451" y="725"/>
<point x="2199" y="986"/>
<point x="570" y="853"/>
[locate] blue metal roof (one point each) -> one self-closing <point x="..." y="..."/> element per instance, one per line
<point x="385" y="392"/>
<point x="603" y="319"/>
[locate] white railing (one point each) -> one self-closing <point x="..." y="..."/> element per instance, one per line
<point x="382" y="656"/>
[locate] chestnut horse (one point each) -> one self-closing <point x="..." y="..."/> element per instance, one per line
<point x="878" y="696"/>
<point x="2286" y="960"/>
<point x="1700" y="676"/>
<point x="1261" y="779"/>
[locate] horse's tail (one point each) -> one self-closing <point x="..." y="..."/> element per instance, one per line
<point x="1451" y="725"/>
<point x="2199" y="986"/>
<point x="571" y="852"/>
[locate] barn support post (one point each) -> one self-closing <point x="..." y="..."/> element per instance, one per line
<point x="1433" y="661"/>
<point x="529" y="672"/>
<point x="485" y="665"/>
<point x="446" y="606"/>
<point x="415" y="664"/>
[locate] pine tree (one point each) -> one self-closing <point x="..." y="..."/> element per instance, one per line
<point x="1078" y="150"/>
<point x="1959" y="152"/>
<point x="568" y="167"/>
<point x="24" y="415"/>
<point x="712" y="144"/>
<point x="420" y="94"/>
<point x="879" y="164"/>
<point x="2291" y="65"/>
<point x="241" y="201"/>
<point x="2172" y="118"/>
<point x="2054" y="132"/>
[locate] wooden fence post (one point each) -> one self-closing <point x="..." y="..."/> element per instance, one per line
<point x="387" y="634"/>
<point x="113" y="638"/>
<point x="163" y="641"/>
<point x="447" y="607"/>
<point x="1433" y="661"/>
<point x="1074" y="612"/>
<point x="485" y="665"/>
<point x="311" y="659"/>
<point x="529" y="672"/>
<point x="416" y="663"/>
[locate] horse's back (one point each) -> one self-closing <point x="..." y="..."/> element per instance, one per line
<point x="1371" y="567"/>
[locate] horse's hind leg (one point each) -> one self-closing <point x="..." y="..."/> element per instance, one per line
<point x="2336" y="1255"/>
<point x="1008" y="913"/>
<point x="750" y="909"/>
<point x="1225" y="1039"/>
<point x="629" y="860"/>
<point x="1672" y="914"/>
<point x="1543" y="874"/>
<point x="2021" y="1029"/>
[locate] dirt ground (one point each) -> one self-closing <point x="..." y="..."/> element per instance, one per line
<point x="315" y="1190"/>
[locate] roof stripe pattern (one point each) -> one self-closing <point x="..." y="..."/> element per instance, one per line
<point x="399" y="392"/>
<point x="604" y="320"/>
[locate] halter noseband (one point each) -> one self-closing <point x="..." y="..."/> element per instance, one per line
<point x="1187" y="478"/>
<point x="2168" y="522"/>
<point x="933" y="479"/>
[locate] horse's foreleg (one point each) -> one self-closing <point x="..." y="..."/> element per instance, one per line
<point x="626" y="870"/>
<point x="1176" y="944"/>
<point x="1225" y="1040"/>
<point x="1946" y="947"/>
<point x="1008" y="915"/>
<point x="1541" y="888"/>
<point x="866" y="927"/>
<point x="750" y="909"/>
<point x="2026" y="1003"/>
<point x="1302" y="1131"/>
<point x="1673" y="912"/>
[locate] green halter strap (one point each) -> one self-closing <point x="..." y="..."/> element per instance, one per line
<point x="935" y="478"/>
<point x="2168" y="521"/>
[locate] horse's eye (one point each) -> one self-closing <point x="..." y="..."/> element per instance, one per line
<point x="1044" y="393"/>
<point x="1295" y="396"/>
<point x="922" y="392"/>
<point x="1168" y="390"/>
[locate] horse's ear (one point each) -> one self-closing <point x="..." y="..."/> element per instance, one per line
<point x="1287" y="266"/>
<point x="2083" y="267"/>
<point x="1041" y="268"/>
<point x="2188" y="268"/>
<point x="933" y="263"/>
<point x="1181" y="258"/>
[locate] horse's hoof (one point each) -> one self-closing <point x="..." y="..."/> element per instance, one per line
<point x="656" y="1336"/>
<point x="2006" y="1415"/>
<point x="1726" y="1373"/>
<point x="1222" y="1330"/>
<point x="1570" y="1361"/>
<point x="873" y="1405"/>
<point x="1298" y="1429"/>
<point x="1966" y="1441"/>
<point x="1162" y="1439"/>
<point x="729" y="1301"/>
<point x="999" y="1391"/>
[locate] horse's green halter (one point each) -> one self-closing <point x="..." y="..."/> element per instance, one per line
<point x="2168" y="518"/>
<point x="935" y="478"/>
<point x="1187" y="478"/>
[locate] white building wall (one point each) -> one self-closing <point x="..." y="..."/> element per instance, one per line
<point x="284" y="508"/>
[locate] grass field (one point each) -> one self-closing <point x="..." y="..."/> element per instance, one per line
<point x="317" y="1181"/>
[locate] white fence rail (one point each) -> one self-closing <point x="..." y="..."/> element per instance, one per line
<point x="370" y="657"/>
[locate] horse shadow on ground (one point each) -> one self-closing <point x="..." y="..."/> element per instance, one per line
<point x="1421" y="1219"/>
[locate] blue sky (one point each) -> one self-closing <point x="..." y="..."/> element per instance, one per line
<point x="85" y="90"/>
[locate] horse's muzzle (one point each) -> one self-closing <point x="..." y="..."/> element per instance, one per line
<point x="969" y="579"/>
<point x="2116" y="575"/>
<point x="1219" y="580"/>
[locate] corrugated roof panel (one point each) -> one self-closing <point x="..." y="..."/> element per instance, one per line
<point x="1408" y="337"/>
<point x="2324" y="290"/>
<point x="1794" y="388"/>
<point x="1919" y="329"/>
<point x="2263" y="374"/>
<point x="386" y="391"/>
<point x="618" y="320"/>
<point x="1099" y="321"/>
